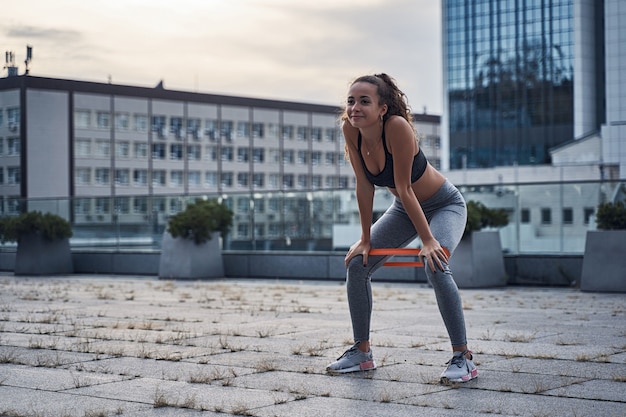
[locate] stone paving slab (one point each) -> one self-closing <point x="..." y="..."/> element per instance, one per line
<point x="95" y="346"/>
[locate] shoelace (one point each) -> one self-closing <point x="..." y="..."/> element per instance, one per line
<point x="349" y="351"/>
<point x="458" y="360"/>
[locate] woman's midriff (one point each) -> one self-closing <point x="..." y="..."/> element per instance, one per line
<point x="429" y="183"/>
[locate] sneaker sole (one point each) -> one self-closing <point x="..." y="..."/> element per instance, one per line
<point x="364" y="366"/>
<point x="464" y="378"/>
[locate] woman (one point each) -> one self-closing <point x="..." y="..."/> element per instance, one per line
<point x="382" y="147"/>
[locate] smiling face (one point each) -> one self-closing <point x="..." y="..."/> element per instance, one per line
<point x="362" y="106"/>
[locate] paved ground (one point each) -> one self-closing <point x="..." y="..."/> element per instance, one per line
<point x="104" y="346"/>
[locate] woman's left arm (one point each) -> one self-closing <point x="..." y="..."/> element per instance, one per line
<point x="403" y="147"/>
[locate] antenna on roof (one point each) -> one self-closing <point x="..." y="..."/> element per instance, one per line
<point x="29" y="57"/>
<point x="9" y="59"/>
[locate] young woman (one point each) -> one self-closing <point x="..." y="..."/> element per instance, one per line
<point x="382" y="147"/>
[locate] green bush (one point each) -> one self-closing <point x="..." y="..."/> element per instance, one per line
<point x="611" y="216"/>
<point x="200" y="219"/>
<point x="479" y="216"/>
<point x="48" y="225"/>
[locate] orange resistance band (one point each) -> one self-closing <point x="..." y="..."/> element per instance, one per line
<point x="401" y="252"/>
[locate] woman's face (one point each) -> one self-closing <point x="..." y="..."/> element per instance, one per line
<point x="362" y="106"/>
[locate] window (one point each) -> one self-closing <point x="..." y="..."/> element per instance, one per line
<point x="82" y="176"/>
<point x="242" y="179"/>
<point x="176" y="127"/>
<point x="258" y="180"/>
<point x="568" y="215"/>
<point x="242" y="155"/>
<point x="330" y="158"/>
<point x="274" y="180"/>
<point x="122" y="149"/>
<point x="288" y="132"/>
<point x="210" y="179"/>
<point x="342" y="182"/>
<point x="122" y="121"/>
<point x="227" y="179"/>
<point x="13" y="147"/>
<point x="302" y="181"/>
<point x="141" y="122"/>
<point x="210" y="153"/>
<point x="122" y="177"/>
<point x="140" y="205"/>
<point x="316" y="158"/>
<point x="103" y="205"/>
<point x="176" y="152"/>
<point x="1" y="175"/>
<point x="82" y="119"/>
<point x="159" y="178"/>
<point x="140" y="177"/>
<point x="193" y="128"/>
<point x="210" y="129"/>
<point x="159" y="125"/>
<point x="330" y="135"/>
<point x="194" y="153"/>
<point x="588" y="213"/>
<point x="546" y="216"/>
<point x="525" y="216"/>
<point x="288" y="156"/>
<point x="1" y="145"/>
<point x="258" y="155"/>
<point x="227" y="129"/>
<point x="274" y="156"/>
<point x="102" y="176"/>
<point x="303" y="157"/>
<point x="316" y="182"/>
<point x="227" y="153"/>
<point x="103" y="149"/>
<point x="288" y="180"/>
<point x="82" y="206"/>
<point x="316" y="134"/>
<point x="242" y="230"/>
<point x="83" y="147"/>
<point x="302" y="133"/>
<point x="103" y="120"/>
<point x="258" y="130"/>
<point x="13" y="118"/>
<point x="193" y="178"/>
<point x="243" y="129"/>
<point x="122" y="205"/>
<point x="176" y="178"/>
<point x="158" y="151"/>
<point x="243" y="205"/>
<point x="140" y="150"/>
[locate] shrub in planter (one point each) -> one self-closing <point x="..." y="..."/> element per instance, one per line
<point x="200" y="220"/>
<point x="42" y="243"/>
<point x="478" y="260"/>
<point x="188" y="250"/>
<point x="604" y="265"/>
<point x="611" y="216"/>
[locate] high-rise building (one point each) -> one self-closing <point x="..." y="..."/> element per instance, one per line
<point x="534" y="82"/>
<point x="508" y="82"/>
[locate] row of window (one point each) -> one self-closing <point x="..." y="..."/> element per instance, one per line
<point x="85" y="148"/>
<point x="196" y="128"/>
<point x="567" y="215"/>
<point x="125" y="177"/>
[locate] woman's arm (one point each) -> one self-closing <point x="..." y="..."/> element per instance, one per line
<point x="403" y="147"/>
<point x="364" y="195"/>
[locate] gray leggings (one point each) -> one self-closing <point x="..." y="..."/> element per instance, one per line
<point x="446" y="214"/>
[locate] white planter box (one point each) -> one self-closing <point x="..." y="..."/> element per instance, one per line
<point x="183" y="259"/>
<point x="604" y="263"/>
<point x="478" y="261"/>
<point x="39" y="256"/>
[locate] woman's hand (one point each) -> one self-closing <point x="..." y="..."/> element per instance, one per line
<point x="432" y="253"/>
<point x="359" y="248"/>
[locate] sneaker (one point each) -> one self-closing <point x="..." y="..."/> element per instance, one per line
<point x="460" y="369"/>
<point x="352" y="360"/>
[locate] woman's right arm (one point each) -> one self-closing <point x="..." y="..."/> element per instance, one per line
<point x="364" y="195"/>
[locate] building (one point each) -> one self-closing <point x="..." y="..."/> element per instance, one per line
<point x="128" y="154"/>
<point x="535" y="82"/>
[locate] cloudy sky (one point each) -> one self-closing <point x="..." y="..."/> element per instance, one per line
<point x="300" y="50"/>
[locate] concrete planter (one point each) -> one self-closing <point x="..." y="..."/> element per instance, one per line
<point x="183" y="259"/>
<point x="478" y="261"/>
<point x="39" y="256"/>
<point x="604" y="263"/>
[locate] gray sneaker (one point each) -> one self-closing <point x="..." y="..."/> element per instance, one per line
<point x="460" y="369"/>
<point x="352" y="360"/>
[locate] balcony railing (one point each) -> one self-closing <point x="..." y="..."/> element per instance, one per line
<point x="547" y="218"/>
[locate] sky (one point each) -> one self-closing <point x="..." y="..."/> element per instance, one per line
<point x="296" y="50"/>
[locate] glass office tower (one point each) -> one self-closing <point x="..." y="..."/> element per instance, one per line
<point x="508" y="80"/>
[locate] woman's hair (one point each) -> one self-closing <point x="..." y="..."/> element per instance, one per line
<point x="389" y="94"/>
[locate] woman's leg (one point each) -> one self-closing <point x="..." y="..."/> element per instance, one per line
<point x="393" y="230"/>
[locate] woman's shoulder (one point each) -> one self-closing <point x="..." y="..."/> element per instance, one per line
<point x="398" y="126"/>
